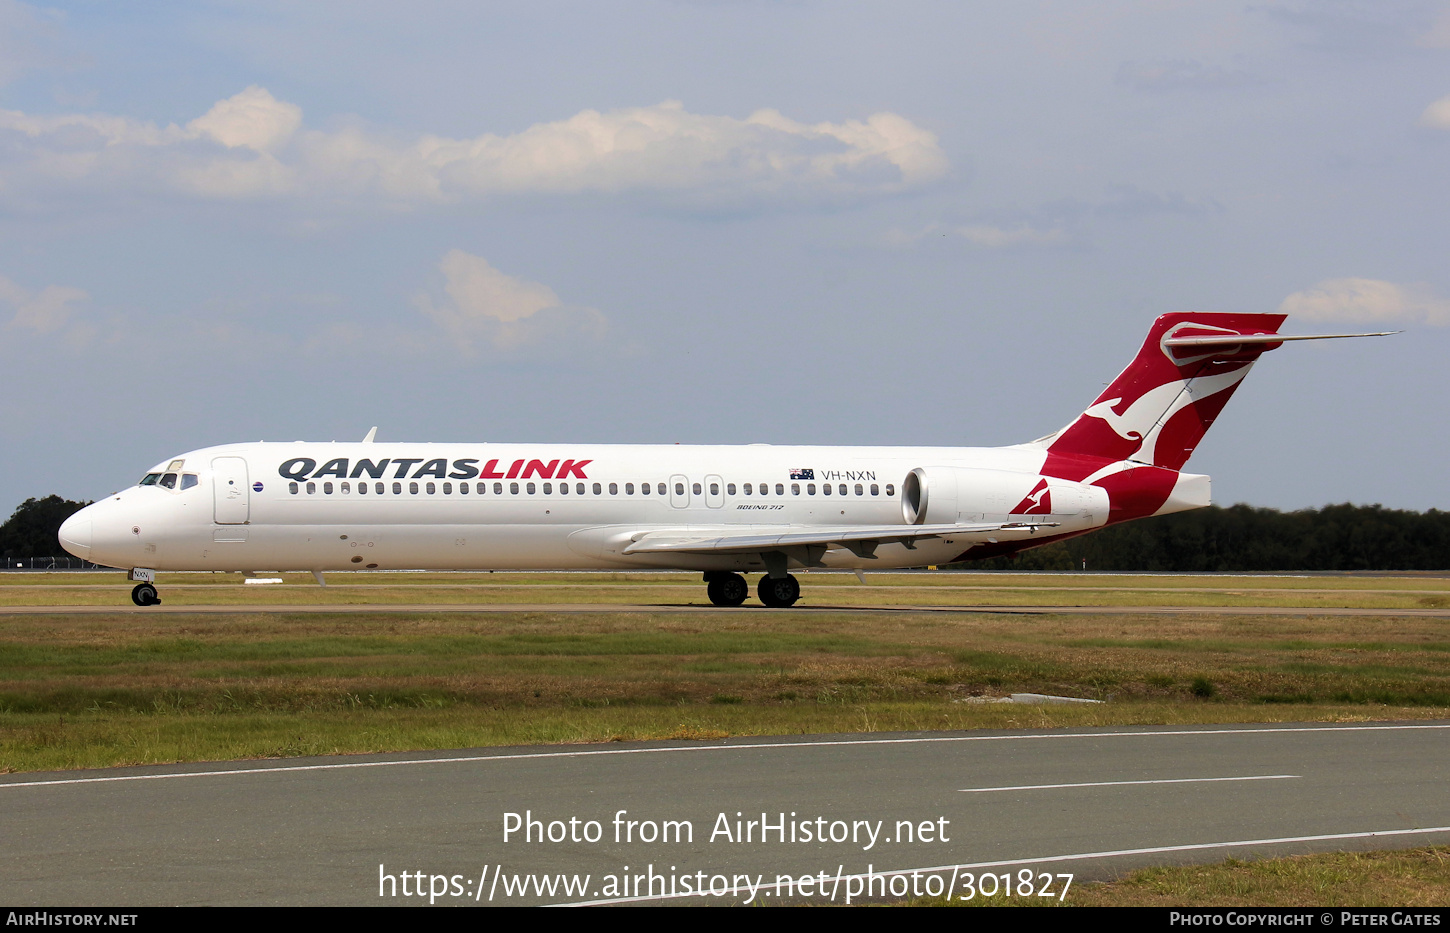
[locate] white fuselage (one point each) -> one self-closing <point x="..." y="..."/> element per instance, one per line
<point x="318" y="507"/>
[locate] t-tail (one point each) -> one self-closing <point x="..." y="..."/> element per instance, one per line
<point x="1135" y="437"/>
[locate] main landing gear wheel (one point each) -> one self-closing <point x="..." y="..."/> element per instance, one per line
<point x="779" y="592"/>
<point x="727" y="589"/>
<point x="144" y="594"/>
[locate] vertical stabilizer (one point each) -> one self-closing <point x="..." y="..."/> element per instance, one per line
<point x="1158" y="408"/>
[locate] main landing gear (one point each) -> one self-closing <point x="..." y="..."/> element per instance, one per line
<point x="730" y="589"/>
<point x="778" y="592"/>
<point x="726" y="589"/>
<point x="144" y="594"/>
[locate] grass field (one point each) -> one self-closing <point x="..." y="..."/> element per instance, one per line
<point x="98" y="688"/>
<point x="1408" y="591"/>
<point x="84" y="689"/>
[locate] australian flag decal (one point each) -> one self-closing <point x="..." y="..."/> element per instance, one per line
<point x="802" y="474"/>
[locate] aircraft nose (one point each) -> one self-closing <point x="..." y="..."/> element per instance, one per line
<point x="75" y="535"/>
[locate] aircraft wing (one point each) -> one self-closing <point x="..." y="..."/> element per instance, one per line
<point x="862" y="539"/>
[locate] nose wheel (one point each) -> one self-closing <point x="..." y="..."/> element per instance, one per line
<point x="144" y="594"/>
<point x="779" y="592"/>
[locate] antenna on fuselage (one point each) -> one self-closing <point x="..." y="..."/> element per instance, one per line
<point x="371" y="434"/>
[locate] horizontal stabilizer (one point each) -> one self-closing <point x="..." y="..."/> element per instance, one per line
<point x="1239" y="340"/>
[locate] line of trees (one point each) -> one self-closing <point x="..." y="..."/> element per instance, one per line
<point x="1244" y="538"/>
<point x="31" y="530"/>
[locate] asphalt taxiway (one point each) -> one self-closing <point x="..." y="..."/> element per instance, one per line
<point x="1091" y="802"/>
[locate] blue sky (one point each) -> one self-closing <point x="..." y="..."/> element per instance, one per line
<point x="716" y="222"/>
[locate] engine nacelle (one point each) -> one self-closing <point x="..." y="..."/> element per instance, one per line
<point x="950" y="495"/>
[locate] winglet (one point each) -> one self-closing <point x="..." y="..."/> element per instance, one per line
<point x="371" y="434"/>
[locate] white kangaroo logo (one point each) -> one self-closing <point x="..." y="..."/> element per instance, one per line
<point x="1151" y="410"/>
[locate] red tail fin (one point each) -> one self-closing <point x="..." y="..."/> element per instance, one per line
<point x="1159" y="408"/>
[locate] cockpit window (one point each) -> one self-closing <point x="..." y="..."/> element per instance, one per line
<point x="189" y="480"/>
<point x="168" y="480"/>
<point x="149" y="479"/>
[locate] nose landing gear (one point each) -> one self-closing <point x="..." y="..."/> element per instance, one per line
<point x="144" y="592"/>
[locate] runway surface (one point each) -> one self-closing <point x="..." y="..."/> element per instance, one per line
<point x="597" y="608"/>
<point x="1088" y="802"/>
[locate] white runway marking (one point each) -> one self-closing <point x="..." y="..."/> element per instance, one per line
<point x="1255" y="777"/>
<point x="1047" y="859"/>
<point x="758" y="746"/>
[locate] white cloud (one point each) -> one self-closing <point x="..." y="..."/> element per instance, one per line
<point x="486" y="305"/>
<point x="42" y="312"/>
<point x="1437" y="115"/>
<point x="252" y="145"/>
<point x="1371" y="300"/>
<point x="253" y="118"/>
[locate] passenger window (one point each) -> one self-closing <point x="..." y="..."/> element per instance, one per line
<point x="613" y="489"/>
<point x="189" y="480"/>
<point x="432" y="488"/>
<point x="875" y="490"/>
<point x="644" y="489"/>
<point x="579" y="489"/>
<point x="729" y="489"/>
<point x="662" y="489"/>
<point x="397" y="489"/>
<point x="825" y="489"/>
<point x="169" y="481"/>
<point x="311" y="488"/>
<point x="448" y="488"/>
<point x="292" y="488"/>
<point x="378" y="488"/>
<point x="714" y="489"/>
<point x="498" y="488"/>
<point x="694" y="488"/>
<point x="680" y="489"/>
<point x="532" y="489"/>
<point x="346" y="488"/>
<point x="890" y="489"/>
<point x="810" y="489"/>
<point x="795" y="488"/>
<point x="842" y="490"/>
<point x="628" y="488"/>
<point x="746" y="489"/>
<point x="599" y="490"/>
<point x="548" y="489"/>
<point x="362" y="489"/>
<point x="327" y="488"/>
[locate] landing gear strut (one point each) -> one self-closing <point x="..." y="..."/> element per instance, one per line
<point x="778" y="592"/>
<point x="144" y="594"/>
<point x="726" y="589"/>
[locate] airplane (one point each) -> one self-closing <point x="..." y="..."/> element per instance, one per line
<point x="721" y="510"/>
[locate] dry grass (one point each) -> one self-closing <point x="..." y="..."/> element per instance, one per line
<point x="1405" y="879"/>
<point x="97" y="689"/>
<point x="1401" y="591"/>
